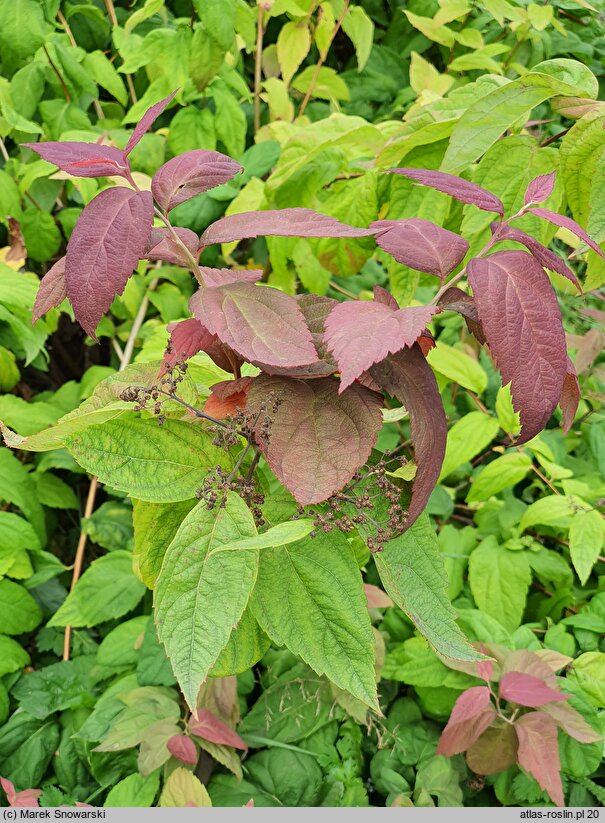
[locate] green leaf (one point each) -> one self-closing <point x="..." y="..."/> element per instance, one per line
<point x="218" y="17"/>
<point x="12" y="656"/>
<point x="17" y="487"/>
<point x="40" y="233"/>
<point x="280" y="535"/>
<point x="499" y="580"/>
<point x="508" y="418"/>
<point x="586" y="538"/>
<point x="553" y="510"/>
<point x="19" y="612"/>
<point x="155" y="525"/>
<point x="148" y="462"/>
<point x="588" y="671"/>
<point x="121" y="646"/>
<point x="110" y="526"/>
<point x="309" y="598"/>
<point x="487" y="119"/>
<point x="56" y="687"/>
<point x="358" y="26"/>
<point x="191" y="129"/>
<point x="245" y="647"/>
<point x="293" y="44"/>
<point x="328" y="85"/>
<point x="103" y="72"/>
<point x="458" y="367"/>
<point x="107" y="590"/>
<point x="22" y="29"/>
<point x="201" y="592"/>
<point x="501" y="473"/>
<point x="184" y="789"/>
<point x="412" y="572"/>
<point x="582" y="156"/>
<point x="54" y="492"/>
<point x="229" y="119"/>
<point x="467" y="438"/>
<point x="134" y="791"/>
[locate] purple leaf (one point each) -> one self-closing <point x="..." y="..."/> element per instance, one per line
<point x="383" y="296"/>
<point x="570" y="396"/>
<point x="362" y="333"/>
<point x="527" y="690"/>
<point x="456" y="187"/>
<point x="106" y="244"/>
<point x="189" y="174"/>
<point x="317" y="438"/>
<point x="472" y="714"/>
<point x="147" y="121"/>
<point x="83" y="159"/>
<point x="259" y="323"/>
<point x="455" y="299"/>
<point x="421" y="245"/>
<point x="188" y="338"/>
<point x="221" y="277"/>
<point x="538" y="752"/>
<point x="543" y="255"/>
<point x="408" y="377"/>
<point x="566" y="223"/>
<point x="540" y="188"/>
<point x="52" y="290"/>
<point x="520" y="316"/>
<point x="278" y="222"/>
<point x="163" y="246"/>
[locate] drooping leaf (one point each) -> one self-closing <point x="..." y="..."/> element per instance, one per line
<point x="421" y="245"/>
<point x="163" y="246"/>
<point x="187" y="338"/>
<point x="222" y="277"/>
<point x="105" y="246"/>
<point x="309" y="597"/>
<point x="544" y="256"/>
<point x="261" y="324"/>
<point x="209" y="727"/>
<point x="278" y="223"/>
<point x="570" y="396"/>
<point x="52" y="290"/>
<point x="149" y="462"/>
<point x="567" y="223"/>
<point x="362" y="333"/>
<point x="408" y="377"/>
<point x="83" y="159"/>
<point x="189" y="174"/>
<point x="520" y="316"/>
<point x="456" y="187"/>
<point x="318" y="438"/>
<point x="227" y="398"/>
<point x="183" y="748"/>
<point x="527" y="690"/>
<point x="202" y="591"/>
<point x="146" y="122"/>
<point x="540" y="188"/>
<point x="539" y="752"/>
<point x="472" y="714"/>
<point x="412" y="573"/>
<point x="459" y="301"/>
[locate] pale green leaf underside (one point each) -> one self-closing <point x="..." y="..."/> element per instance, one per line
<point x="412" y="572"/>
<point x="279" y="535"/>
<point x="309" y="597"/>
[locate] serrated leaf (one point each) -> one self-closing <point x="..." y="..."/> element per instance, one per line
<point x="154" y="463"/>
<point x="146" y="122"/>
<point x="182" y="788"/>
<point x="52" y="290"/>
<point x="499" y="580"/>
<point x="309" y="597"/>
<point x="163" y="246"/>
<point x="539" y="752"/>
<point x="82" y="159"/>
<point x="586" y="538"/>
<point x="458" y="366"/>
<point x="467" y="438"/>
<point x="189" y="174"/>
<point x="293" y="44"/>
<point x="502" y="473"/>
<point x="202" y="592"/>
<point x="104" y="248"/>
<point x="543" y="255"/>
<point x="540" y="188"/>
<point x="421" y="245"/>
<point x="472" y="714"/>
<point x="19" y="612"/>
<point x="183" y="748"/>
<point x="494" y="751"/>
<point x="209" y="727"/>
<point x="572" y="722"/>
<point x="522" y="322"/>
<point x="336" y="433"/>
<point x="456" y="187"/>
<point x="527" y="690"/>
<point x="412" y="573"/>
<point x="567" y="223"/>
<point x="155" y="525"/>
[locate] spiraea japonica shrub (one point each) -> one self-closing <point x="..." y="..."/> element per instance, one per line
<point x="256" y="499"/>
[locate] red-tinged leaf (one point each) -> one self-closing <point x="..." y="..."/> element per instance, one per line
<point x="52" y="290"/>
<point x="362" y="333"/>
<point x="189" y="337"/>
<point x="163" y="246"/>
<point x="183" y="748"/>
<point x="572" y="722"/>
<point x="105" y="246"/>
<point x="189" y="174"/>
<point x="524" y="661"/>
<point x="259" y="323"/>
<point x="147" y="121"/>
<point x="318" y="438"/>
<point x="209" y="727"/>
<point x="426" y="341"/>
<point x="527" y="690"/>
<point x="566" y="223"/>
<point x="538" y="752"/>
<point x="278" y="223"/>
<point x="408" y="377"/>
<point x="455" y="299"/>
<point x="540" y="188"/>
<point x="383" y="296"/>
<point x="227" y="397"/>
<point x="222" y="277"/>
<point x="521" y="320"/>
<point x="570" y="396"/>
<point x="83" y="159"/>
<point x="249" y="804"/>
<point x="495" y="751"/>
<point x="485" y="670"/>
<point x="472" y="714"/>
<point x="25" y="799"/>
<point x="377" y="599"/>
<point x="421" y="245"/>
<point x="543" y="255"/>
<point x="456" y="187"/>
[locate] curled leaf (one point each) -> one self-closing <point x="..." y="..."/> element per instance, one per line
<point x="187" y="338"/>
<point x="52" y="290"/>
<point x="163" y="246"/>
<point x="543" y="255"/>
<point x="456" y="187"/>
<point x="570" y="396"/>
<point x="83" y="159"/>
<point x="222" y="277"/>
<point x="566" y="223"/>
<point x="183" y="748"/>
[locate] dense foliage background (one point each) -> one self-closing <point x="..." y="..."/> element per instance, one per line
<point x="307" y="96"/>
